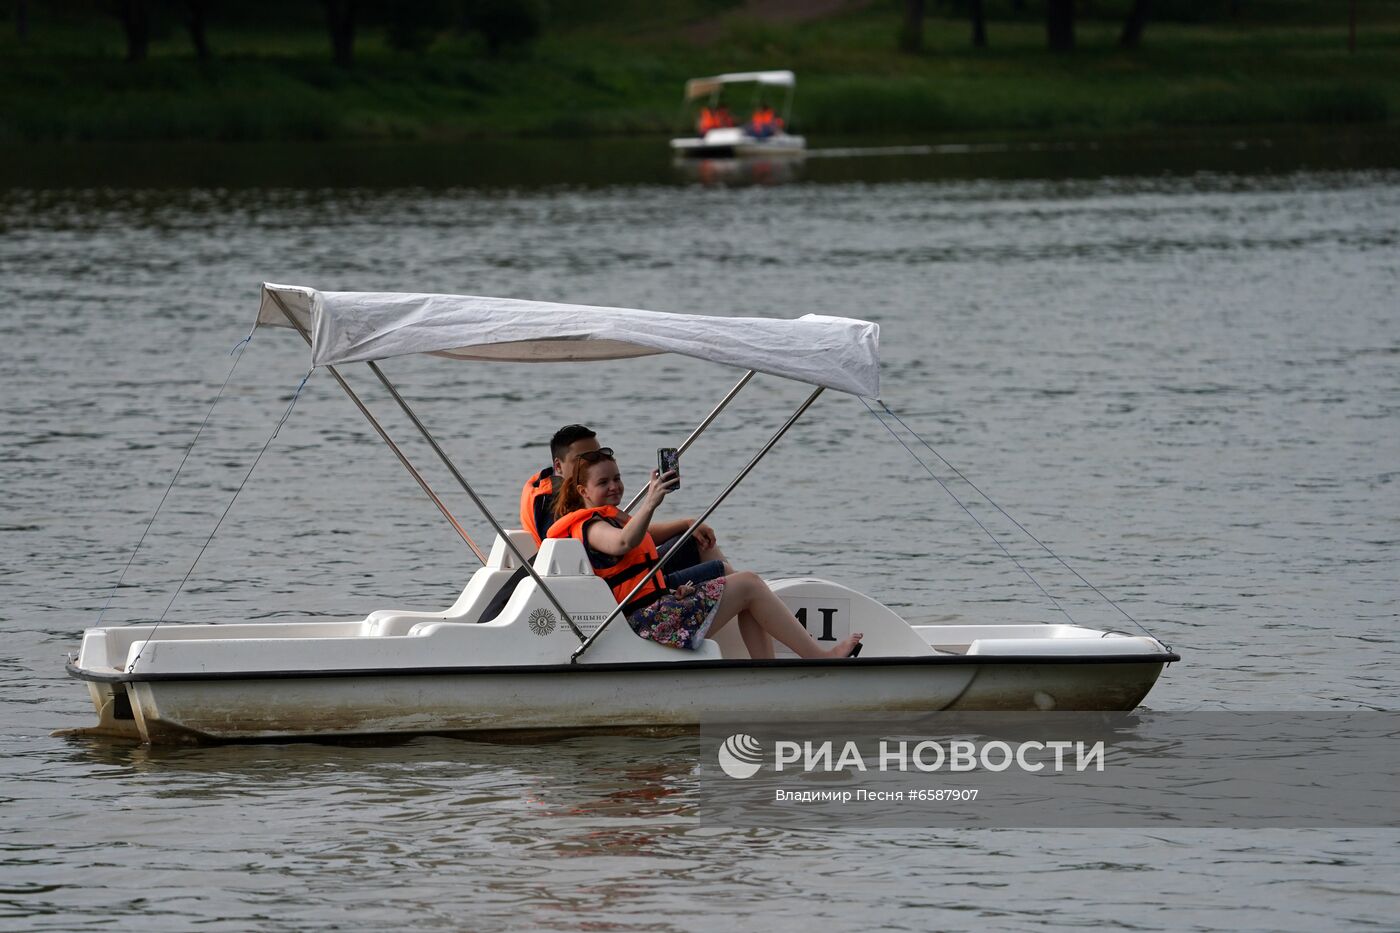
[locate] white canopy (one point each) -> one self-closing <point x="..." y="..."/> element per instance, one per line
<point x="347" y="327"/>
<point x="699" y="87"/>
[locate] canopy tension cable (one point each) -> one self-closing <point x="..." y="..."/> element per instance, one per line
<point x="237" y="354"/>
<point x="995" y="540"/>
<point x="268" y="443"/>
<point x="1045" y="547"/>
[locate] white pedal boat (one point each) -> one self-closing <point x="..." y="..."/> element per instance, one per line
<point x="538" y="652"/>
<point x="730" y="142"/>
<point x="733" y="142"/>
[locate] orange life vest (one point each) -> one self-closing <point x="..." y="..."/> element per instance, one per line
<point x="708" y="120"/>
<point x="622" y="575"/>
<point x="536" y="499"/>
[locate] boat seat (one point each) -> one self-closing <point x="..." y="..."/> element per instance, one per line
<point x="553" y="559"/>
<point x="503" y="595"/>
<point x="499" y="577"/>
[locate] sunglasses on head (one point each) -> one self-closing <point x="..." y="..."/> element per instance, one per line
<point x="596" y="456"/>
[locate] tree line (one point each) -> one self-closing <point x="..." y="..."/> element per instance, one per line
<point x="412" y="25"/>
<point x="1060" y="21"/>
<point x="408" y="25"/>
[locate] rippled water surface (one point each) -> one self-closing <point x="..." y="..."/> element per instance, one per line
<point x="1187" y="383"/>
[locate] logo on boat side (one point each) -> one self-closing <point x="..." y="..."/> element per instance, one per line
<point x="542" y="622"/>
<point x="740" y="756"/>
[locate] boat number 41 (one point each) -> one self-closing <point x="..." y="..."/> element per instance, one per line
<point x="826" y="619"/>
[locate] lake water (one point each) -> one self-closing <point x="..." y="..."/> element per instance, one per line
<point x="1178" y="363"/>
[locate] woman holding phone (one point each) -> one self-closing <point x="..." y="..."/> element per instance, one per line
<point x="677" y="610"/>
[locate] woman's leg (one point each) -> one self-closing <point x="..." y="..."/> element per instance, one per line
<point x="715" y="553"/>
<point x="756" y="640"/>
<point x="700" y="573"/>
<point x="746" y="593"/>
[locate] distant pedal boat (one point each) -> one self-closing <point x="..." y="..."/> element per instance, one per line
<point x="731" y="142"/>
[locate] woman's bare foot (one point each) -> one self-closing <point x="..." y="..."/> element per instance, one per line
<point x="845" y="646"/>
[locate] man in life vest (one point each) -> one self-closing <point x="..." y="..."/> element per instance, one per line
<point x="764" y="122"/>
<point x="538" y="497"/>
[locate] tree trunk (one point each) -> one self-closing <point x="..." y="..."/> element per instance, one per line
<point x="22" y="20"/>
<point x="136" y="23"/>
<point x="1059" y="25"/>
<point x="196" y="24"/>
<point x="979" y="24"/>
<point x="1131" y="37"/>
<point x="911" y="34"/>
<point x="340" y="19"/>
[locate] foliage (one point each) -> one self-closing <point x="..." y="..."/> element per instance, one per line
<point x="605" y="68"/>
<point x="506" y="23"/>
<point x="412" y="26"/>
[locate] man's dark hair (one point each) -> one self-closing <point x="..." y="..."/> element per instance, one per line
<point x="559" y="443"/>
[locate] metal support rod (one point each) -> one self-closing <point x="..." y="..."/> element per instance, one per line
<point x="696" y="524"/>
<point x="699" y="429"/>
<point x="383" y="435"/>
<point x="481" y="506"/>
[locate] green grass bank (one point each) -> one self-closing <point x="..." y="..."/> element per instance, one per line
<point x="615" y="67"/>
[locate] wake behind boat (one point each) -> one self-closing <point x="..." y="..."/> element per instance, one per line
<point x="530" y="643"/>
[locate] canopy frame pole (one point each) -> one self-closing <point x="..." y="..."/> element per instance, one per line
<point x="689" y="532"/>
<point x="384" y="436"/>
<point x="681" y="114"/>
<point x="700" y="429"/>
<point x="481" y="506"/>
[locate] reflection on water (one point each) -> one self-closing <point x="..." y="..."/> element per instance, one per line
<point x="1174" y="361"/>
<point x="739" y="172"/>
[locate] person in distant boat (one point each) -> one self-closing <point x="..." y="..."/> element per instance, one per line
<point x="713" y="118"/>
<point x="676" y="609"/>
<point x="764" y="122"/>
<point x="540" y="494"/>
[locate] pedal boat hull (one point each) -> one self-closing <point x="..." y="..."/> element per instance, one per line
<point x="407" y="673"/>
<point x="592" y="697"/>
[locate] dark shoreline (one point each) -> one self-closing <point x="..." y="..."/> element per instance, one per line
<point x="531" y="163"/>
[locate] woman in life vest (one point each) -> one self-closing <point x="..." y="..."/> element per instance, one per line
<point x="679" y="611"/>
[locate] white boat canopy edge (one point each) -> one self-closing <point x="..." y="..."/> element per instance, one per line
<point x="701" y="87"/>
<point x="346" y="327"/>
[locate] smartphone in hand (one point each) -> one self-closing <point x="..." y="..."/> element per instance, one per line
<point x="668" y="459"/>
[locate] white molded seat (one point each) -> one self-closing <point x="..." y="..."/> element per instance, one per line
<point x="501" y="565"/>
